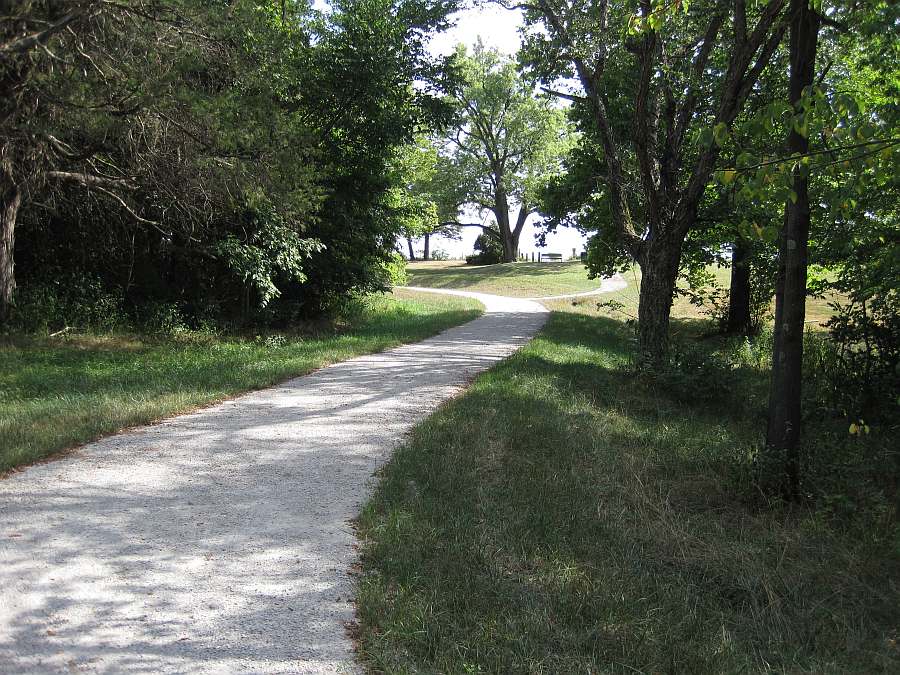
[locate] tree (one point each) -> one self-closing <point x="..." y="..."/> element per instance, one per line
<point x="506" y="142"/>
<point x="251" y="135"/>
<point x="848" y="139"/>
<point x="693" y="66"/>
<point x="135" y="104"/>
<point x="839" y="162"/>
<point x="783" y="431"/>
<point x="370" y="89"/>
<point x="419" y="197"/>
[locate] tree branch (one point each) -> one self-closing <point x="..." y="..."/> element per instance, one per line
<point x="91" y="180"/>
<point x="487" y="228"/>
<point x="36" y="39"/>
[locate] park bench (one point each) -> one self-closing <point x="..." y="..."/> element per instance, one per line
<point x="551" y="257"/>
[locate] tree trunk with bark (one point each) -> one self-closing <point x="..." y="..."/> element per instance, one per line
<point x="739" y="319"/>
<point x="509" y="233"/>
<point x="412" y="251"/>
<point x="783" y="433"/>
<point x="426" y="253"/>
<point x="659" y="271"/>
<point x="10" y="201"/>
<point x="501" y="214"/>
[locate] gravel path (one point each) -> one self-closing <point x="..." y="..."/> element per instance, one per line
<point x="607" y="285"/>
<point x="219" y="541"/>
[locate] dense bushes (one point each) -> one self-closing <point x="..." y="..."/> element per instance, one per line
<point x="71" y="300"/>
<point x="243" y="181"/>
<point x="488" y="251"/>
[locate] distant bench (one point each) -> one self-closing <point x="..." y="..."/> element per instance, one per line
<point x="550" y="257"/>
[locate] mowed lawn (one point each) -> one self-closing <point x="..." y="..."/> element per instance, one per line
<point x="59" y="392"/>
<point x="623" y="304"/>
<point x="566" y="516"/>
<point x="520" y="280"/>
<point x="534" y="280"/>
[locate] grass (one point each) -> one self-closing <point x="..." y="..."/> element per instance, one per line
<point x="544" y="279"/>
<point x="521" y="280"/>
<point x="565" y="516"/>
<point x="626" y="303"/>
<point x="59" y="392"/>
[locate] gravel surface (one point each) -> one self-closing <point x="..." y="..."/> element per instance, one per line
<point x="219" y="541"/>
<point x="607" y="285"/>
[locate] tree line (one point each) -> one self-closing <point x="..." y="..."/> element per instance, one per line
<point x="224" y="160"/>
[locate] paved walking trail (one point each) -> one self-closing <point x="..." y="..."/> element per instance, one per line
<point x="219" y="541"/>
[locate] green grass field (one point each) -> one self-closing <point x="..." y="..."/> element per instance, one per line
<point x="566" y="516"/>
<point x="60" y="392"/>
<point x="529" y="280"/>
<point x="520" y="280"/>
<point x="818" y="310"/>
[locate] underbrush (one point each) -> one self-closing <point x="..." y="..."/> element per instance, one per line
<point x="570" y="515"/>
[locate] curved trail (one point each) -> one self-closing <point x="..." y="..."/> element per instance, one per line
<point x="219" y="541"/>
<point x="607" y="285"/>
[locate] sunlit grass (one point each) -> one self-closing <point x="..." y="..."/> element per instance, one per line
<point x="521" y="280"/>
<point x="59" y="392"/>
<point x="623" y="304"/>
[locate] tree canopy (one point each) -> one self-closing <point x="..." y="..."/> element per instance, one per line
<point x="221" y="158"/>
<point x="507" y="140"/>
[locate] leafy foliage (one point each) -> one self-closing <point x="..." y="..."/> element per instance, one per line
<point x="487" y="251"/>
<point x="506" y="142"/>
<point x="230" y="158"/>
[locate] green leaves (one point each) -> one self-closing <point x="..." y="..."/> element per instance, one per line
<point x="720" y="134"/>
<point x="508" y="141"/>
<point x="766" y="232"/>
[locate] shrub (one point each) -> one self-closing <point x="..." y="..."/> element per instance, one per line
<point x="163" y="318"/>
<point x="74" y="300"/>
<point x="487" y="251"/>
<point x="393" y="272"/>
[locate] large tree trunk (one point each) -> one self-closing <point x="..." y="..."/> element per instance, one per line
<point x="10" y="201"/>
<point x="739" y="319"/>
<point x="412" y="251"/>
<point x="510" y="247"/>
<point x="509" y="234"/>
<point x="783" y="433"/>
<point x="501" y="213"/>
<point x="426" y="253"/>
<point x="659" y="271"/>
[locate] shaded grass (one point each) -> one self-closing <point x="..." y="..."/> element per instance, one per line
<point x="565" y="516"/>
<point x="521" y="280"/>
<point x="56" y="393"/>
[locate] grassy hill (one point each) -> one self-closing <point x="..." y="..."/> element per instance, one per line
<point x="520" y="280"/>
<point x="534" y="280"/>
